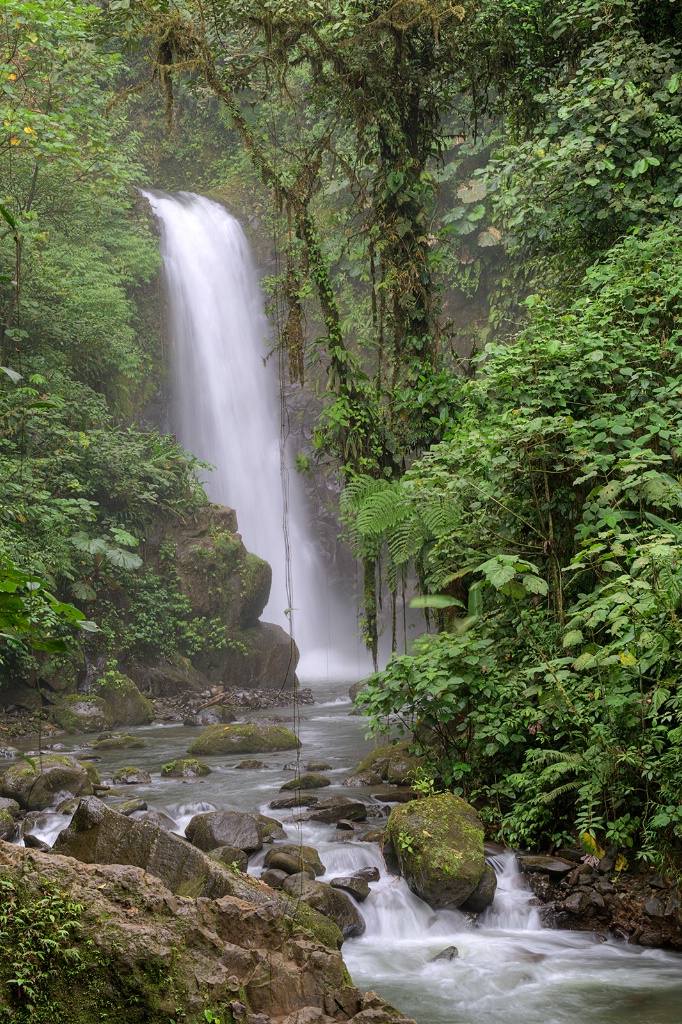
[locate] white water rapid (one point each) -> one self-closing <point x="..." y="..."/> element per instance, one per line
<point x="226" y="405"/>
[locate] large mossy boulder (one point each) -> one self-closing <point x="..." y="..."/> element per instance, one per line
<point x="244" y="739"/>
<point x="438" y="845"/>
<point x="44" y="780"/>
<point x="77" y="713"/>
<point x="328" y="901"/>
<point x="184" y="768"/>
<point x="141" y="955"/>
<point x="9" y="812"/>
<point x="392" y="763"/>
<point x="128" y="705"/>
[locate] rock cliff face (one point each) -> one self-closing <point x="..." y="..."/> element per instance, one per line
<point x="129" y="949"/>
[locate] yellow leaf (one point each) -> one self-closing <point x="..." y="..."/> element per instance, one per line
<point x="425" y="833"/>
<point x="14" y="141"/>
<point x="628" y="659"/>
<point x="29" y="131"/>
<point x="621" y="862"/>
<point x="12" y="78"/>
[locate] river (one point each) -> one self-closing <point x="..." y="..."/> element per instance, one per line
<point x="509" y="970"/>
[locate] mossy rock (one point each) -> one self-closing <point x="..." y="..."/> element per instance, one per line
<point x="392" y="763"/>
<point x="132" y="776"/>
<point x="310" y="781"/>
<point x="438" y="844"/>
<point x="118" y="741"/>
<point x="34" y="786"/>
<point x="128" y="705"/>
<point x="185" y="768"/>
<point x="244" y="739"/>
<point x="92" y="772"/>
<point x="77" y="713"/>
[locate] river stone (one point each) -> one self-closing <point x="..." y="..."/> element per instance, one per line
<point x="292" y="859"/>
<point x="392" y="763"/>
<point x="354" y="885"/>
<point x="128" y="706"/>
<point x="270" y="828"/>
<point x="375" y="835"/>
<point x="334" y="808"/>
<point x="438" y="844"/>
<point x="555" y="867"/>
<point x="317" y="766"/>
<point x="132" y="776"/>
<point x="293" y="881"/>
<point x="184" y="768"/>
<point x="300" y="799"/>
<point x="118" y="741"/>
<point x="244" y="739"/>
<point x="158" y="818"/>
<point x="273" y="877"/>
<point x="449" y="953"/>
<point x="327" y="901"/>
<point x="225" y="828"/>
<point x="9" y="809"/>
<point x="310" y="781"/>
<point x="251" y="764"/>
<point x="484" y="893"/>
<point x="363" y="779"/>
<point x="78" y="713"/>
<point x="128" y="806"/>
<point x="35" y="788"/>
<point x="231" y="857"/>
<point x="398" y="795"/>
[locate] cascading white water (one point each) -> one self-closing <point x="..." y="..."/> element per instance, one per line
<point x="226" y="406"/>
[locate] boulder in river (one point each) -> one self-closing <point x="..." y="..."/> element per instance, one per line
<point x="9" y="811"/>
<point x="251" y="764"/>
<point x="37" y="784"/>
<point x="128" y="705"/>
<point x="212" y="829"/>
<point x="392" y="763"/>
<point x="231" y="857"/>
<point x="327" y="901"/>
<point x="555" y="867"/>
<point x="355" y="885"/>
<point x="77" y="713"/>
<point x="312" y="780"/>
<point x="132" y="776"/>
<point x="484" y="893"/>
<point x="334" y="808"/>
<point x="363" y="779"/>
<point x="118" y="741"/>
<point x="292" y="858"/>
<point x="438" y="844"/>
<point x="141" y="954"/>
<point x="244" y="739"/>
<point x="184" y="768"/>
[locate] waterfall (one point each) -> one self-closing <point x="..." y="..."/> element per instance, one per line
<point x="226" y="407"/>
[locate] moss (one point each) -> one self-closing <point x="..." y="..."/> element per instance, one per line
<point x="77" y="713"/>
<point x="92" y="772"/>
<point x="128" y="705"/>
<point x="118" y="741"/>
<point x="244" y="739"/>
<point x="184" y="768"/>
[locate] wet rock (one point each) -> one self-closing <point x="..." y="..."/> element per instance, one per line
<point x="392" y="763"/>
<point x="127" y="704"/>
<point x="292" y="859"/>
<point x="129" y="806"/>
<point x="438" y="843"/>
<point x="541" y="885"/>
<point x="354" y="885"/>
<point x="300" y="799"/>
<point x="555" y="867"/>
<point x="274" y="877"/>
<point x="134" y="931"/>
<point x="576" y="903"/>
<point x="132" y="776"/>
<point x="334" y="808"/>
<point x="244" y="739"/>
<point x="9" y="810"/>
<point x="158" y="818"/>
<point x="69" y="805"/>
<point x="118" y="741"/>
<point x="231" y="857"/>
<point x="185" y="768"/>
<point x="449" y="953"/>
<point x="349" y="826"/>
<point x="395" y="796"/>
<point x="370" y="874"/>
<point x="225" y="828"/>
<point x="327" y="901"/>
<point x="317" y="766"/>
<point x="483" y="895"/>
<point x="78" y="713"/>
<point x="374" y="835"/>
<point x="35" y="786"/>
<point x="652" y="938"/>
<point x="309" y="1015"/>
<point x="251" y="764"/>
<point x="270" y="828"/>
<point x="293" y="882"/>
<point x="309" y="781"/>
<point x="363" y="779"/>
<point x="32" y="842"/>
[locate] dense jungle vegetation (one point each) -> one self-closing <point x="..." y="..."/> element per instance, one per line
<point x="475" y="218"/>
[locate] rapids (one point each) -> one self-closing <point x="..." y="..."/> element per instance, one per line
<point x="509" y="969"/>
